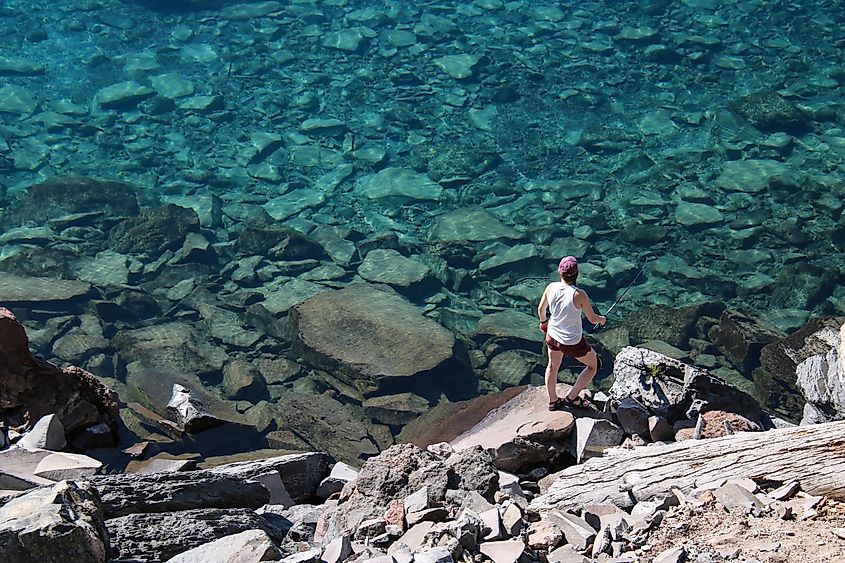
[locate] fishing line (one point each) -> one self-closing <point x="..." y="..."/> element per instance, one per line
<point x="630" y="285"/>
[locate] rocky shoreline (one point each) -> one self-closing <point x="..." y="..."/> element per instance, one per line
<point x="489" y="494"/>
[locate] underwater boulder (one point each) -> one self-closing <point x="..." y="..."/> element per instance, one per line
<point x="154" y="231"/>
<point x="62" y="196"/>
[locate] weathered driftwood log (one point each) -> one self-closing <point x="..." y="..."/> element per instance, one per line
<point x="814" y="455"/>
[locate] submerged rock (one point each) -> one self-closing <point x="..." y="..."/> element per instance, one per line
<point x="62" y="196"/>
<point x="189" y="412"/>
<point x="154" y="231"/>
<point x="375" y="341"/>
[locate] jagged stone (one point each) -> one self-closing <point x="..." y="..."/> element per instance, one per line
<point x="677" y="554"/>
<point x="732" y="496"/>
<point x="170" y="492"/>
<point x="279" y="495"/>
<point x="512" y="520"/>
<point x="251" y="546"/>
<point x="400" y="471"/>
<point x="544" y="535"/>
<point x="189" y="412"/>
<point x="660" y="430"/>
<point x="417" y="501"/>
<point x="162" y="536"/>
<point x="17" y="469"/>
<point x="337" y="550"/>
<point x="675" y="390"/>
<point x="412" y="539"/>
<point x="47" y="434"/>
<point x="54" y="525"/>
<point x="339" y="476"/>
<point x="492" y="520"/>
<point x="434" y="555"/>
<point x="567" y="554"/>
<point x="576" y="530"/>
<point x="301" y="473"/>
<point x="593" y="436"/>
<point x="65" y="466"/>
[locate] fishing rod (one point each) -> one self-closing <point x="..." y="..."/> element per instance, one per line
<point x="630" y="285"/>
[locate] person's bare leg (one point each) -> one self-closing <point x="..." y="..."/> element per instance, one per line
<point x="555" y="358"/>
<point x="586" y="375"/>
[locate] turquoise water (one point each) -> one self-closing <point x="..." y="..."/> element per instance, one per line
<point x="481" y="141"/>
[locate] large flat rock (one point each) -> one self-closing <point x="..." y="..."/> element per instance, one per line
<point x="24" y="289"/>
<point x="371" y="338"/>
<point x="522" y="431"/>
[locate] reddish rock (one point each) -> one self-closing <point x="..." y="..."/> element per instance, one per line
<point x="544" y="535"/>
<point x="715" y="424"/>
<point x="395" y="513"/>
<point x="31" y="388"/>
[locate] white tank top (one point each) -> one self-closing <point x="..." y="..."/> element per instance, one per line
<point x="564" y="317"/>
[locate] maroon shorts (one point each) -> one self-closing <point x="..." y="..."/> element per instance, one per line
<point x="575" y="350"/>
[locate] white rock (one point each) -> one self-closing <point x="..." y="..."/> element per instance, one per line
<point x="61" y="466"/>
<point x="47" y="434"/>
<point x="434" y="555"/>
<point x="503" y="551"/>
<point x="337" y="551"/>
<point x="246" y="547"/>
<point x="417" y="501"/>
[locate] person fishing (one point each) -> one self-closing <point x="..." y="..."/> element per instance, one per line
<point x="564" y="334"/>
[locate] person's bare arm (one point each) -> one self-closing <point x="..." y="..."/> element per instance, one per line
<point x="544" y="304"/>
<point x="582" y="301"/>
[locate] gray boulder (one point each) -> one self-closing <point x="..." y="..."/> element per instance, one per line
<point x="821" y="379"/>
<point x="675" y="390"/>
<point x="246" y="547"/>
<point x="301" y="473"/>
<point x="162" y="536"/>
<point x="17" y="469"/>
<point x="169" y="492"/>
<point x="54" y="524"/>
<point x="387" y="343"/>
<point x="633" y="417"/>
<point x="593" y="436"/>
<point x="776" y="376"/>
